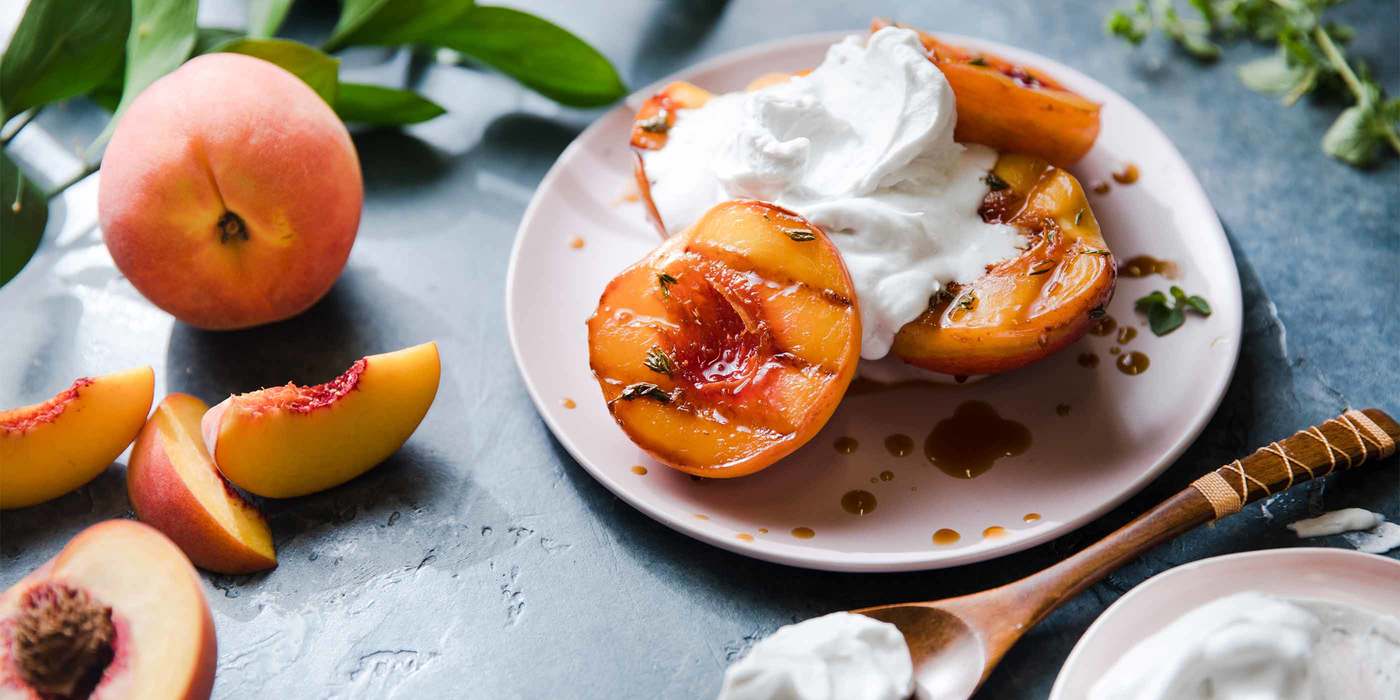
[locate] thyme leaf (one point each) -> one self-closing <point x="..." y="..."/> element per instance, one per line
<point x="658" y="123"/>
<point x="665" y="281"/>
<point x="644" y="390"/>
<point x="658" y="361"/>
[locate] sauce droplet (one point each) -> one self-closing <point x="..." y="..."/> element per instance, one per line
<point x="945" y="537"/>
<point x="846" y="445"/>
<point x="1146" y="265"/>
<point x="858" y="502"/>
<point x="973" y="439"/>
<point x="960" y="378"/>
<point x="1128" y="175"/>
<point x="569" y="403"/>
<point x="746" y="537"/>
<point x="1088" y="360"/>
<point x="993" y="532"/>
<point x="1114" y="350"/>
<point x="899" y="444"/>
<point x="1062" y="409"/>
<point x="576" y="242"/>
<point x="1133" y="363"/>
<point x="1126" y="335"/>
<point x="701" y="516"/>
<point x="763" y="531"/>
<point x="887" y="475"/>
<point x="1101" y="187"/>
<point x="1031" y="517"/>
<point x="639" y="470"/>
<point x="1103" y="326"/>
<point x="804" y="533"/>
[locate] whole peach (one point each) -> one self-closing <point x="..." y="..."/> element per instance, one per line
<point x="230" y="193"/>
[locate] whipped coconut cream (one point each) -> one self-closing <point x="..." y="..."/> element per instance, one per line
<point x="841" y="656"/>
<point x="863" y="147"/>
<point x="1251" y="646"/>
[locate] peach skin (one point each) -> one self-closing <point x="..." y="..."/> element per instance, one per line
<point x="51" y="448"/>
<point x="730" y="345"/>
<point x="294" y="440"/>
<point x="118" y="613"/>
<point x="175" y="487"/>
<point x="230" y="193"/>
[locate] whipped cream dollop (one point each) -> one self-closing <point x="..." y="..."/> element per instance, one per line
<point x="841" y="656"/>
<point x="1251" y="646"/>
<point x="1366" y="531"/>
<point x="863" y="147"/>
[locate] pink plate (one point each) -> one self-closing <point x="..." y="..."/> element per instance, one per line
<point x="1116" y="433"/>
<point x="1332" y="575"/>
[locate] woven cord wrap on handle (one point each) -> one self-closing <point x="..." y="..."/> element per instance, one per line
<point x="1227" y="489"/>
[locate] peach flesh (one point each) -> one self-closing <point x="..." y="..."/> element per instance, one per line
<point x="230" y="193"/>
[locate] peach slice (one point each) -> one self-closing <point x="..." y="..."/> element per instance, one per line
<point x="293" y="440"/>
<point x="1028" y="307"/>
<point x="51" y="448"/>
<point x="118" y="613"/>
<point x="730" y="345"/>
<point x="175" y="487"/>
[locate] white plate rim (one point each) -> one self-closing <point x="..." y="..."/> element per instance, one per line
<point x="1058" y="690"/>
<point x="870" y="562"/>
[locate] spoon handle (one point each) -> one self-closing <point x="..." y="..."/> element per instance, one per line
<point x="1339" y="443"/>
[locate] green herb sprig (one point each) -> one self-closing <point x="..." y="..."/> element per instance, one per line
<point x="644" y="390"/>
<point x="658" y="361"/>
<point x="1309" y="59"/>
<point x="1166" y="314"/>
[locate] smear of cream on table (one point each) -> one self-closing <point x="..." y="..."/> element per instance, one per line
<point x="1366" y="531"/>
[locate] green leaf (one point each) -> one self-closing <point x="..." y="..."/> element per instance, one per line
<point x="1164" y="319"/>
<point x="383" y="106"/>
<point x="209" y="39"/>
<point x="265" y="17"/>
<point x="1351" y="138"/>
<point x="1198" y="303"/>
<point x="539" y="54"/>
<point x="316" y="69"/>
<point x="393" y="22"/>
<point x="61" y="49"/>
<point x="161" y="38"/>
<point x="1151" y="300"/>
<point x="23" y="213"/>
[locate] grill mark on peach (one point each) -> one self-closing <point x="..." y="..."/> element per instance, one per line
<point x="22" y="420"/>
<point x="730" y="256"/>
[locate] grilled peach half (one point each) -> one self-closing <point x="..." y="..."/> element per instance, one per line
<point x="1028" y="307"/>
<point x="730" y="345"/>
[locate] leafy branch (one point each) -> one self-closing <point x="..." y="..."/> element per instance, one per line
<point x="110" y="50"/>
<point x="1309" y="59"/>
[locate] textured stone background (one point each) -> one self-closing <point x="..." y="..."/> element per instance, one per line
<point x="481" y="561"/>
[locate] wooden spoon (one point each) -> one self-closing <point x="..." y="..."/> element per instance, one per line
<point x="955" y="643"/>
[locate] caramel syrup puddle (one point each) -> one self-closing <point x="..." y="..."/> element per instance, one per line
<point x="858" y="502"/>
<point x="967" y="444"/>
<point x="1145" y="266"/>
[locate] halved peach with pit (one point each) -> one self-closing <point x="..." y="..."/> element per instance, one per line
<point x="731" y="344"/>
<point x="175" y="487"/>
<point x="51" y="448"/>
<point x="1028" y="307"/>
<point x="118" y="613"/>
<point x="294" y="440"/>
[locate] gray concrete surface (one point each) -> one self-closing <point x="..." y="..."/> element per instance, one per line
<point x="482" y="561"/>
